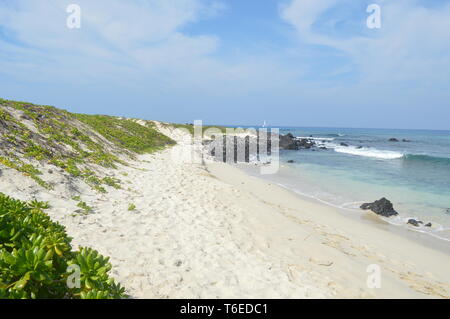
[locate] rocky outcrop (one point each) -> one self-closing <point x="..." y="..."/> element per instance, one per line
<point x="393" y="139"/>
<point x="253" y="145"/>
<point x="305" y="143"/>
<point x="218" y="148"/>
<point x="289" y="142"/>
<point x="384" y="207"/>
<point x="415" y="223"/>
<point x="381" y="207"/>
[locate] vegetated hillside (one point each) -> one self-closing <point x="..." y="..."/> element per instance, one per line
<point x="79" y="144"/>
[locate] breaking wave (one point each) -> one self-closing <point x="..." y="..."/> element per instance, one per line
<point x="368" y="152"/>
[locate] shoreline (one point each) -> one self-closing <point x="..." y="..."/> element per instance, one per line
<point x="211" y="231"/>
<point x="417" y="235"/>
<point x="356" y="230"/>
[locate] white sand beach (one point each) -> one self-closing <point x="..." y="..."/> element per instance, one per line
<point x="211" y="231"/>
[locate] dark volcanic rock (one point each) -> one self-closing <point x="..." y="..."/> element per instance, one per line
<point x="393" y="139"/>
<point x="288" y="142"/>
<point x="381" y="207"/>
<point x="415" y="223"/>
<point x="305" y="143"/>
<point x="241" y="148"/>
<point x="406" y="141"/>
<point x="238" y="148"/>
<point x="428" y="225"/>
<point x="290" y="161"/>
<point x="344" y="144"/>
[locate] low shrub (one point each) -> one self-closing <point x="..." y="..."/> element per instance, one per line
<point x="37" y="261"/>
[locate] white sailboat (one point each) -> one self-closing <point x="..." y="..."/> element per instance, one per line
<point x="264" y="124"/>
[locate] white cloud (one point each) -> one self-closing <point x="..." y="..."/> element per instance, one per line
<point x="302" y="14"/>
<point x="115" y="36"/>
<point x="412" y="47"/>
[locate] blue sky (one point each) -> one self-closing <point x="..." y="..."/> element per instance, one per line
<point x="289" y="62"/>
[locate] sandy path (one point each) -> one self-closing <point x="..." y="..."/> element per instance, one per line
<point x="185" y="239"/>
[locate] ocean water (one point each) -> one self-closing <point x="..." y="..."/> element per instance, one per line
<point x="413" y="173"/>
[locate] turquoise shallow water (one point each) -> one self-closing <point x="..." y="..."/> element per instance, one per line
<point x="414" y="173"/>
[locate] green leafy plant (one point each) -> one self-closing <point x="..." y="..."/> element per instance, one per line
<point x="26" y="169"/>
<point x="35" y="254"/>
<point x="38" y="205"/>
<point x="110" y="181"/>
<point x="85" y="208"/>
<point x="131" y="207"/>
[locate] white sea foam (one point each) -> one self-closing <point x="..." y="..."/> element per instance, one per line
<point x="438" y="231"/>
<point x="263" y="158"/>
<point x="316" y="138"/>
<point x="366" y="152"/>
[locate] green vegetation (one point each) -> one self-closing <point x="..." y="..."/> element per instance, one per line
<point x="113" y="182"/>
<point x="72" y="142"/>
<point x="85" y="208"/>
<point x="26" y="169"/>
<point x="131" y="207"/>
<point x="37" y="261"/>
<point x="190" y="128"/>
<point x="35" y="204"/>
<point x="126" y="133"/>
